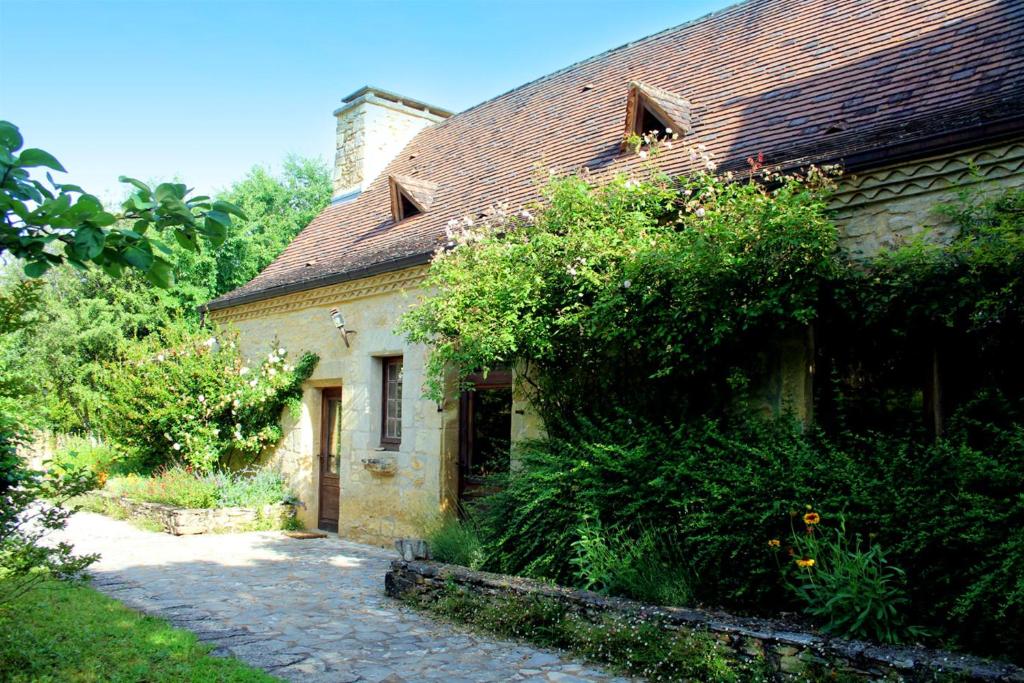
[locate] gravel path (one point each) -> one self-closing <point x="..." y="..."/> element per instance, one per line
<point x="309" y="610"/>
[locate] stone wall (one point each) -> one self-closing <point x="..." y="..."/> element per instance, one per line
<point x="877" y="208"/>
<point x="788" y="650"/>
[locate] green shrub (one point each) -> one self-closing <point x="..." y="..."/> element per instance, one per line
<point x="644" y="568"/>
<point x="182" y="487"/>
<point x="250" y="488"/>
<point x="184" y="396"/>
<point x="97" y="457"/>
<point x="854" y="592"/>
<point x="948" y="513"/>
<point x="455" y="541"/>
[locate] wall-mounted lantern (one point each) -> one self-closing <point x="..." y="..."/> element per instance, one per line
<point x="339" y="322"/>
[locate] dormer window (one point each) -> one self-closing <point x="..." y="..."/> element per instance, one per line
<point x="649" y="108"/>
<point x="406" y="207"/>
<point x="410" y="196"/>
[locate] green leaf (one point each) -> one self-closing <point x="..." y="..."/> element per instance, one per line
<point x="10" y="136"/>
<point x="139" y="256"/>
<point x="36" y="157"/>
<point x="137" y="183"/>
<point x="169" y="191"/>
<point x="186" y="240"/>
<point x="36" y="268"/>
<point x="215" y="231"/>
<point x="228" y="207"/>
<point x="161" y="274"/>
<point x="89" y="241"/>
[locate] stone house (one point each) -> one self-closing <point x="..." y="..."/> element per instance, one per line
<point x="912" y="98"/>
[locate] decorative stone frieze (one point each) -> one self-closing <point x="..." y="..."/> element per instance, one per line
<point x="343" y="292"/>
<point x="878" y="208"/>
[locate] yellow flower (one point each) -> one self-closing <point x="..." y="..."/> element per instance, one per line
<point x="812" y="518"/>
<point x="774" y="543"/>
<point x="805" y="563"/>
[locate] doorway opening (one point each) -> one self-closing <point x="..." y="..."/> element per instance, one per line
<point x="485" y="433"/>
<point x="330" y="459"/>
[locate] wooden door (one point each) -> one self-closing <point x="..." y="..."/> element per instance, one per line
<point x="485" y="432"/>
<point x="330" y="459"/>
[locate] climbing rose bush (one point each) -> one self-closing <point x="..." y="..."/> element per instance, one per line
<point x="188" y="397"/>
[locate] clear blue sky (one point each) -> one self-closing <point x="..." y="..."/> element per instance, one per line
<point x="205" y="90"/>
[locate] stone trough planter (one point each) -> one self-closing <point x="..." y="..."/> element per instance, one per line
<point x="185" y="521"/>
<point x="788" y="651"/>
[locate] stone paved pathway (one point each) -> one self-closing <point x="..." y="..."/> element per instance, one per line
<point x="309" y="610"/>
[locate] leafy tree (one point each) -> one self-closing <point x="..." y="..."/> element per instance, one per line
<point x="84" y="318"/>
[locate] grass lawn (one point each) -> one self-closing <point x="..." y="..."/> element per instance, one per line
<point x="64" y="632"/>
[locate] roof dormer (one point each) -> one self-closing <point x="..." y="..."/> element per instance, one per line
<point x="410" y="196"/>
<point x="650" y="108"/>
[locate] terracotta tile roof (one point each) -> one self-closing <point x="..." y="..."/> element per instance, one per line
<point x="798" y="80"/>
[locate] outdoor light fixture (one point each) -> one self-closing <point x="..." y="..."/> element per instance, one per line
<point x="339" y="322"/>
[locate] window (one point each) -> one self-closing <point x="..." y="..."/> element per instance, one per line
<point x="406" y="207"/>
<point x="391" y="402"/>
<point x="650" y="108"/>
<point x="648" y="121"/>
<point x="410" y="196"/>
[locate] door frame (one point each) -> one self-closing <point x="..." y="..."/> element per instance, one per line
<point x="327" y="394"/>
<point x="495" y="379"/>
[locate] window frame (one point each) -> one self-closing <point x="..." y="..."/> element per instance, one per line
<point x="386" y="362"/>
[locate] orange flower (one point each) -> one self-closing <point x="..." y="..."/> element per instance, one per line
<point x="812" y="518"/>
<point x="101" y="479"/>
<point x="774" y="543"/>
<point x="805" y="563"/>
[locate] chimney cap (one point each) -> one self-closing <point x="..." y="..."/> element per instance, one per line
<point x="396" y="98"/>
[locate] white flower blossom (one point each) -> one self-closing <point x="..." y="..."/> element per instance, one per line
<point x="627" y="284"/>
<point x="700" y="212"/>
<point x="202" y="399"/>
<point x="176" y="446"/>
<point x="281" y="352"/>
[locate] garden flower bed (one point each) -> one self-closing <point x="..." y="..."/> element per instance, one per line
<point x="180" y="502"/>
<point x="183" y="521"/>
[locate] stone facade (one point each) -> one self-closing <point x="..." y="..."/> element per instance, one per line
<point x="374" y="126"/>
<point x="389" y="494"/>
<point x="379" y="500"/>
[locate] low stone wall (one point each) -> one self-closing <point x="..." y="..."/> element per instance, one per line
<point x="790" y="652"/>
<point x="184" y="521"/>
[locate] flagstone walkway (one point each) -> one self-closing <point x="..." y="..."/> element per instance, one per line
<point x="309" y="610"/>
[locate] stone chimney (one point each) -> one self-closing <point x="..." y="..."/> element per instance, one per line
<point x="373" y="126"/>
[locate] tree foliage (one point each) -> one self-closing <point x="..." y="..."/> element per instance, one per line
<point x="636" y="295"/>
<point x="47" y="224"/>
<point x="649" y="315"/>
<point x="83" y="319"/>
